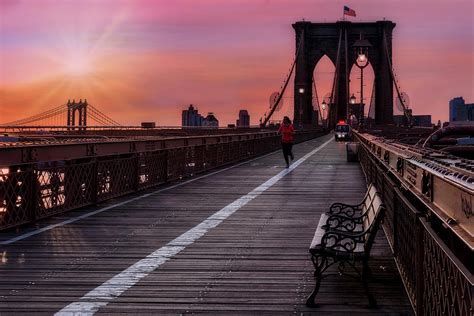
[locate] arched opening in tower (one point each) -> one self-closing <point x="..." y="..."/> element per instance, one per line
<point x="366" y="106"/>
<point x="323" y="77"/>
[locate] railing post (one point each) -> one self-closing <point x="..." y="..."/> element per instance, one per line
<point x="95" y="181"/>
<point x="33" y="194"/>
<point x="419" y="253"/>
<point x="165" y="165"/>
<point x="136" y="171"/>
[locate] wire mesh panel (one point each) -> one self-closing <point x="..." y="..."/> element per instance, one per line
<point x="197" y="163"/>
<point x="116" y="177"/>
<point x="408" y="245"/>
<point x="366" y="163"/>
<point x="210" y="156"/>
<point x="152" y="169"/>
<point x="64" y="188"/>
<point x="388" y="196"/>
<point x="194" y="160"/>
<point x="448" y="285"/>
<point x="53" y="187"/>
<point x="16" y="197"/>
<point x="176" y="163"/>
<point x="223" y="154"/>
<point x="251" y="148"/>
<point x="234" y="152"/>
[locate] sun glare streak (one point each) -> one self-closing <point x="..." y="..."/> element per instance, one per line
<point x="78" y="64"/>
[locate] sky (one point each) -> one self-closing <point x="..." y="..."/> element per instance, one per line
<point x="147" y="60"/>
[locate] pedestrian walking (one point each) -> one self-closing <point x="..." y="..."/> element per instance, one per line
<point x="286" y="131"/>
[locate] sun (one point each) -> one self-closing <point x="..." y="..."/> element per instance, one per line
<point x="78" y="64"/>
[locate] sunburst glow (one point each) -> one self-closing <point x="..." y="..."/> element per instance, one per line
<point x="78" y="64"/>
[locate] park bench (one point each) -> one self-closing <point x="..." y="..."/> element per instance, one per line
<point x="345" y="235"/>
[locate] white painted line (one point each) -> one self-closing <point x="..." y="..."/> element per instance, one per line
<point x="114" y="287"/>
<point x="75" y="219"/>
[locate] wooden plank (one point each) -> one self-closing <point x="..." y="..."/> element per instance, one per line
<point x="256" y="261"/>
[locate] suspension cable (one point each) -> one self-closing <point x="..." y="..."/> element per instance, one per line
<point x="280" y="96"/>
<point x="394" y="78"/>
<point x="37" y="117"/>
<point x="317" y="99"/>
<point x="336" y="79"/>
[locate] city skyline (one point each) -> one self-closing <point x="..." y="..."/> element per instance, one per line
<point x="148" y="60"/>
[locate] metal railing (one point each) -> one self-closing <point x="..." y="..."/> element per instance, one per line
<point x="436" y="281"/>
<point x="37" y="189"/>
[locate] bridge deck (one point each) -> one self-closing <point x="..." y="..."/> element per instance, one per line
<point x="254" y="260"/>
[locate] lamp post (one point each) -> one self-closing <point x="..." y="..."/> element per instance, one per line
<point x="323" y="106"/>
<point x="352" y="101"/>
<point x="301" y="91"/>
<point x="361" y="48"/>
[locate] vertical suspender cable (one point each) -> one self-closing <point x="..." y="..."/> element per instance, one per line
<point x="317" y="99"/>
<point x="372" y="102"/>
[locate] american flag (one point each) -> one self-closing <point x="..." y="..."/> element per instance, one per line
<point x="349" y="11"/>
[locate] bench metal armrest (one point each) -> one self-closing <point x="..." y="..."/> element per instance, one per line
<point x="342" y="241"/>
<point x="343" y="223"/>
<point x="344" y="209"/>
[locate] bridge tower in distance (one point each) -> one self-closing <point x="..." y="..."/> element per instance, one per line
<point x="336" y="40"/>
<point x="81" y="109"/>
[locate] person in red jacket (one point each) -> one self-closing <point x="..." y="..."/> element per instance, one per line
<point x="286" y="131"/>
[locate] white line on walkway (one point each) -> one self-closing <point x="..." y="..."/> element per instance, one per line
<point x="114" y="287"/>
<point x="75" y="219"/>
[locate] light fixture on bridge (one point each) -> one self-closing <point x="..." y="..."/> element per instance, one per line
<point x="361" y="48"/>
<point x="352" y="99"/>
<point x="362" y="58"/>
<point x="301" y="92"/>
<point x="324" y="107"/>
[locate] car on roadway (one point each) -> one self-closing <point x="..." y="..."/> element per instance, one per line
<point x="342" y="132"/>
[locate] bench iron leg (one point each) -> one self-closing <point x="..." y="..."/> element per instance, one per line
<point x="318" y="263"/>
<point x="366" y="274"/>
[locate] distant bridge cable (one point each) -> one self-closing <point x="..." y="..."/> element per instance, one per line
<point x="59" y="115"/>
<point x="99" y="115"/>
<point x="39" y="117"/>
<point x="287" y="80"/>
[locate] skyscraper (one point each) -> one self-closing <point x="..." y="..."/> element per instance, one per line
<point x="460" y="111"/>
<point x="244" y="119"/>
<point x="210" y="121"/>
<point x="191" y="117"/>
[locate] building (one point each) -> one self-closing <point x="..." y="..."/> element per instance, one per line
<point x="460" y="111"/>
<point x="418" y="120"/>
<point x="244" y="119"/>
<point x="191" y="117"/>
<point x="422" y="120"/>
<point x="210" y="121"/>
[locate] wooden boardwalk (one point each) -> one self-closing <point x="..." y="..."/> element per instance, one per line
<point x="255" y="261"/>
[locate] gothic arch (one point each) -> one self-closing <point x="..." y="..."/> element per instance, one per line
<point x="319" y="39"/>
